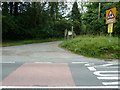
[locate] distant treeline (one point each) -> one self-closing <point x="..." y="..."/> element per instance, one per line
<point x="32" y="20"/>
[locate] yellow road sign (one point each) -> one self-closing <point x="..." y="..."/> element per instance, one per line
<point x="110" y="28"/>
<point x="111" y="16"/>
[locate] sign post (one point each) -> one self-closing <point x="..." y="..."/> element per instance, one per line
<point x="110" y="30"/>
<point x="110" y="19"/>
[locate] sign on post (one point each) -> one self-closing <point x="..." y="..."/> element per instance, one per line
<point x="111" y="16"/>
<point x="69" y="32"/>
<point x="110" y="19"/>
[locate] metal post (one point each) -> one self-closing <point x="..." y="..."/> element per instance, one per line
<point x="99" y="11"/>
<point x="110" y="38"/>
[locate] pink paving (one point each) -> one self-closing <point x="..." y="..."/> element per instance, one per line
<point x="40" y="74"/>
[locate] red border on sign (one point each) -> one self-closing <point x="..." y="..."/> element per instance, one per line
<point x="113" y="15"/>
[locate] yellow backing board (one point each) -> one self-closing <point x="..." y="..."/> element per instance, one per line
<point x="111" y="16"/>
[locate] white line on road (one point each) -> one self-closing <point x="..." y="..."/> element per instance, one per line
<point x="110" y="83"/>
<point x="42" y="62"/>
<point x="62" y="87"/>
<point x="79" y="62"/>
<point x="91" y="68"/>
<point x="116" y="78"/>
<point x="7" y="62"/>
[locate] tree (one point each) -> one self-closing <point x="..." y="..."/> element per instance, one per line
<point x="11" y="7"/>
<point x="16" y="8"/>
<point x="5" y="8"/>
<point x="90" y="17"/>
<point x="75" y="12"/>
<point x="76" y="18"/>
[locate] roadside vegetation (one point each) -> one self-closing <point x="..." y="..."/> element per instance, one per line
<point x="31" y="20"/>
<point x="94" y="46"/>
<point x="22" y="42"/>
<point x="23" y="22"/>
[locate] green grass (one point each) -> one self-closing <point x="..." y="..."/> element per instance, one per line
<point x="22" y="42"/>
<point x="94" y="46"/>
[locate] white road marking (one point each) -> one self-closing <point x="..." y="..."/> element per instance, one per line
<point x="113" y="67"/>
<point x="105" y="75"/>
<point x="111" y="78"/>
<point x="105" y="65"/>
<point x="110" y="83"/>
<point x="108" y="67"/>
<point x="91" y="68"/>
<point x="42" y="62"/>
<point x="7" y="62"/>
<point x="115" y="62"/>
<point x="62" y="87"/>
<point x="89" y="64"/>
<point x="98" y="73"/>
<point x="79" y="62"/>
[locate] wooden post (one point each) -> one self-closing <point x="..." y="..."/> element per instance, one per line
<point x="65" y="34"/>
<point x="72" y="32"/>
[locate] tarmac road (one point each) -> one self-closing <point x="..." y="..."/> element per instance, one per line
<point x="47" y="65"/>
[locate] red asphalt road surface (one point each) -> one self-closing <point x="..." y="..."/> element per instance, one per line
<point x="40" y="74"/>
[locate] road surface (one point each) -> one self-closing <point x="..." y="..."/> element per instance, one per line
<point x="47" y="65"/>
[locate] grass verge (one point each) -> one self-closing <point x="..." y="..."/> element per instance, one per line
<point x="94" y="46"/>
<point x="22" y="42"/>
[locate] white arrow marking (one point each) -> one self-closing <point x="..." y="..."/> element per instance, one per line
<point x="115" y="62"/>
<point x="113" y="67"/>
<point x="116" y="78"/>
<point x="98" y="73"/>
<point x="91" y="68"/>
<point x="108" y="67"/>
<point x="110" y="83"/>
<point x="104" y="65"/>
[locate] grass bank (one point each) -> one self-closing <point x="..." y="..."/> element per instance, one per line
<point x="94" y="46"/>
<point x="22" y="42"/>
